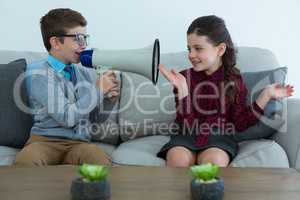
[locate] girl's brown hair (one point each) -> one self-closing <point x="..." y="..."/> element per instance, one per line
<point x="215" y="30"/>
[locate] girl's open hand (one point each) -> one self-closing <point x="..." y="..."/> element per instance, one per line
<point x="278" y="91"/>
<point x="176" y="79"/>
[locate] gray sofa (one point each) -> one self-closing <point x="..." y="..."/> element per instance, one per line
<point x="140" y="124"/>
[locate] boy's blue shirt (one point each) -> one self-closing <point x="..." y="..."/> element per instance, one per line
<point x="59" y="66"/>
<point x="61" y="109"/>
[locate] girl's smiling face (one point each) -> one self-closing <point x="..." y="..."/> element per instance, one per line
<point x="203" y="55"/>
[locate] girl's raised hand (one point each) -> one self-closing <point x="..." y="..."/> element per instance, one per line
<point x="172" y="76"/>
<point x="176" y="79"/>
<point x="278" y="91"/>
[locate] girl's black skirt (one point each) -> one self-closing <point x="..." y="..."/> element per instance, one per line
<point x="224" y="142"/>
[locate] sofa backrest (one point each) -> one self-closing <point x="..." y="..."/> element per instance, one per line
<point x="253" y="59"/>
<point x="7" y="56"/>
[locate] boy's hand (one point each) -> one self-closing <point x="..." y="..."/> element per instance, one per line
<point x="277" y="91"/>
<point x="107" y="81"/>
<point x="176" y="79"/>
<point x="114" y="93"/>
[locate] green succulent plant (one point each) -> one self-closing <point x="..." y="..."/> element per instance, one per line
<point x="90" y="172"/>
<point x="205" y="172"/>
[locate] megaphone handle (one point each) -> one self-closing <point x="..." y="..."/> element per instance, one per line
<point x="100" y="69"/>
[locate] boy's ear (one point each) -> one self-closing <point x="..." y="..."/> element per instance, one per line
<point x="221" y="49"/>
<point x="54" y="42"/>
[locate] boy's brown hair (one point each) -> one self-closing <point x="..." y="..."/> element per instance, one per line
<point x="57" y="22"/>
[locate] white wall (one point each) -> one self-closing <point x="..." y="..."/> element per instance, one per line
<point x="272" y="24"/>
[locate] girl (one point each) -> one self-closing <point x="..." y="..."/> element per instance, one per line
<point x="211" y="96"/>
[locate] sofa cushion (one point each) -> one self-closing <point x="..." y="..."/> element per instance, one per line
<point x="107" y="132"/>
<point x="7" y="155"/>
<point x="15" y="123"/>
<point x="257" y="81"/>
<point x="274" y="116"/>
<point x="107" y="148"/>
<point x="260" y="153"/>
<point x="105" y="129"/>
<point x="141" y="151"/>
<point x="264" y="128"/>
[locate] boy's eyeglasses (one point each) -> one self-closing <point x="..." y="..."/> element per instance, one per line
<point x="81" y="39"/>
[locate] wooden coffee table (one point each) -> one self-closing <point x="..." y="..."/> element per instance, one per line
<point x="145" y="183"/>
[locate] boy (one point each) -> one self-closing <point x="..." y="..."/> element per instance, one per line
<point x="62" y="96"/>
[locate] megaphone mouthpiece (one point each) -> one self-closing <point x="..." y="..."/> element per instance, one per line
<point x="86" y="58"/>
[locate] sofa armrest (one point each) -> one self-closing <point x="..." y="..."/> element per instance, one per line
<point x="289" y="137"/>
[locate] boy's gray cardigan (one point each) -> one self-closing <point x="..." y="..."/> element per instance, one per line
<point x="60" y="109"/>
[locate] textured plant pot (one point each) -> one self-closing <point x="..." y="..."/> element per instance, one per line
<point x="97" y="190"/>
<point x="207" y="191"/>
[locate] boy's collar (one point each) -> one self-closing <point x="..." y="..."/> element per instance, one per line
<point x="56" y="64"/>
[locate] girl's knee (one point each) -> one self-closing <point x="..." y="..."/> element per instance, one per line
<point x="214" y="155"/>
<point x="180" y="157"/>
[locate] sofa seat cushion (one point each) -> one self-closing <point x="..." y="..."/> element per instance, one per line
<point x="7" y="155"/>
<point x="107" y="148"/>
<point x="141" y="151"/>
<point x="260" y="153"/>
<point x="255" y="153"/>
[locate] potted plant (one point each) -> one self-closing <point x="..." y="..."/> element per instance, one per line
<point x="206" y="185"/>
<point x="92" y="184"/>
